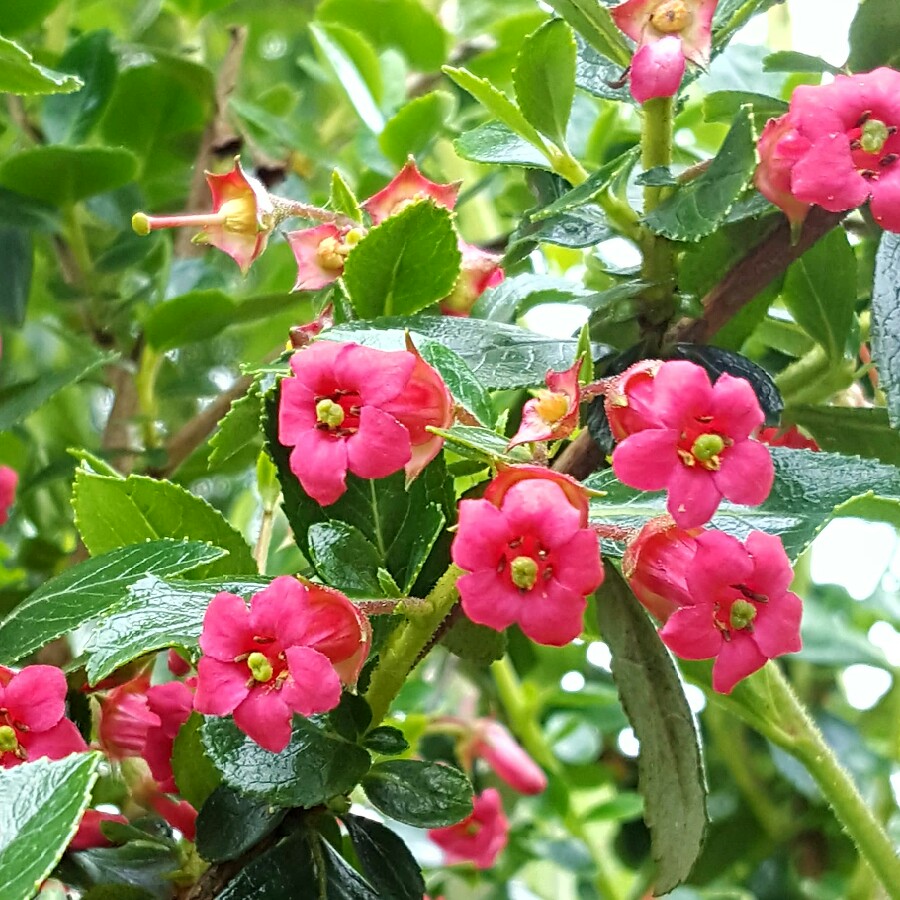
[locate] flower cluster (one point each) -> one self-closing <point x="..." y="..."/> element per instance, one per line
<point x="836" y="147"/>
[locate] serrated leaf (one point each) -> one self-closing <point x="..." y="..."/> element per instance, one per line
<point x="423" y="794"/>
<point x="493" y="142"/>
<point x="42" y="806"/>
<point x="90" y="589"/>
<point x="464" y="387"/>
<point x="852" y="430"/>
<point x="406" y="263"/>
<point x="482" y="444"/>
<point x="415" y="125"/>
<point x="670" y="765"/>
<point x="230" y="823"/>
<point x="385" y="859"/>
<point x="285" y="872"/>
<point x="20" y="74"/>
<point x="886" y="321"/>
<point x="239" y="428"/>
<point x="810" y="490"/>
<point x="342" y="199"/>
<point x="115" y="512"/>
<point x="509" y="299"/>
<point x="544" y="79"/>
<point x="195" y="776"/>
<point x="153" y="614"/>
<point x="594" y="23"/>
<point x="700" y="206"/>
<point x="314" y="766"/>
<point x="344" y="558"/>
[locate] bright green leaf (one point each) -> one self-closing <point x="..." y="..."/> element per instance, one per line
<point x="20" y="74"/>
<point x="239" y="428"/>
<point x="464" y="387"/>
<point x="493" y="142"/>
<point x="415" y="125"/>
<point x="594" y="23"/>
<point x="20" y="15"/>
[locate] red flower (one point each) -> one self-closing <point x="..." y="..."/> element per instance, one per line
<point x="780" y="147"/>
<point x="480" y="837"/>
<point x="790" y="437"/>
<point x="406" y="187"/>
<point x="126" y="718"/>
<point x="530" y="558"/>
<point x="741" y="610"/>
<point x="494" y="744"/>
<point x="553" y="413"/>
<point x="349" y="408"/>
<point x="242" y="219"/>
<point x="32" y="716"/>
<point x="320" y="253"/>
<point x="89" y="834"/>
<point x="9" y="480"/>
<point x="480" y="270"/>
<point x="701" y="449"/>
<point x="171" y="703"/>
<point x="280" y="656"/>
<point x="628" y="402"/>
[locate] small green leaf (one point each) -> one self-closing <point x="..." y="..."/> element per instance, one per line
<point x="406" y="263"/>
<point x="20" y="74"/>
<point x="42" y="805"/>
<point x="474" y="643"/>
<point x="723" y="106"/>
<point x="482" y="444"/>
<point x="342" y="198"/>
<point x="195" y="776"/>
<point x="344" y="558"/>
<point x="792" y="61"/>
<point x="314" y="766"/>
<point x="594" y="23"/>
<point x="464" y="387"/>
<point x="423" y="794"/>
<point x="385" y="859"/>
<point x="699" y="207"/>
<point x="230" y="823"/>
<point x="386" y="740"/>
<point x="875" y="36"/>
<point x="91" y="589"/>
<point x="544" y="79"/>
<point x="885" y="319"/>
<point x="239" y="428"/>
<point x="16" y="266"/>
<point x="493" y="142"/>
<point x="415" y="125"/>
<point x="670" y="766"/>
<point x="141" y="864"/>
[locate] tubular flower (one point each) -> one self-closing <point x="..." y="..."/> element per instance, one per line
<point x="480" y="270"/>
<point x="530" y="559"/>
<point x="741" y="610"/>
<point x="171" y="703"/>
<point x="553" y="413"/>
<point x="287" y="653"/>
<point x="701" y="449"/>
<point x="780" y="147"/>
<point x="348" y="408"/>
<point x="667" y="32"/>
<point x="32" y="716"/>
<point x="126" y="719"/>
<point x="9" y="480"/>
<point x="242" y="217"/>
<point x="839" y="146"/>
<point x="493" y="743"/>
<point x="408" y="186"/>
<point x="480" y="837"/>
<point x="627" y="399"/>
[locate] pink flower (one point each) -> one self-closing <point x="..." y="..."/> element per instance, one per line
<point x="494" y="744"/>
<point x="508" y="476"/>
<point x="177" y="664"/>
<point x="480" y="271"/>
<point x="242" y="219"/>
<point x="9" y="480"/>
<point x="178" y="813"/>
<point x="530" y="558"/>
<point x="126" y="718"/>
<point x="406" y="187"/>
<point x="89" y="834"/>
<point x="553" y="413"/>
<point x="742" y="612"/>
<point x="789" y="437"/>
<point x="780" y="147"/>
<point x="627" y="399"/>
<point x="480" y="837"/>
<point x="32" y="716"/>
<point x="320" y="253"/>
<point x="303" y="335"/>
<point x="171" y="703"/>
<point x="656" y="563"/>
<point x="701" y="450"/>
<point x="350" y="408"/>
<point x="667" y="33"/>
<point x="287" y="653"/>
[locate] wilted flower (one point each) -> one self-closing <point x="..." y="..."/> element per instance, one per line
<point x="553" y="413"/>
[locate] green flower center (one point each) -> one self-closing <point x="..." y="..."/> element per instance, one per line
<point x="329" y="413"/>
<point x="523" y="572"/>
<point x="707" y="447"/>
<point x="873" y="136"/>
<point x="260" y="667"/>
<point x="8" y="739"/>
<point x="743" y="612"/>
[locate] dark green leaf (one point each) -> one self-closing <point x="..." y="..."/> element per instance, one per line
<point x="493" y="142"/>
<point x="314" y="766"/>
<point x="670" y="765"/>
<point x="153" y="614"/>
<point x="423" y="794"/>
<point x="699" y="207"/>
<point x="16" y="265"/>
<point x="115" y="512"/>
<point x="585" y="226"/>
<point x="474" y="643"/>
<point x="464" y="387"/>
<point x="344" y="558"/>
<point x="594" y="23"/>
<point x="42" y="805"/>
<point x="875" y="36"/>
<point x="69" y="119"/>
<point x="286" y="872"/>
<point x="239" y="428"/>
<point x="723" y="106"/>
<point x="820" y="292"/>
<point x="544" y="79"/>
<point x="138" y="864"/>
<point x="351" y="717"/>
<point x="886" y="321"/>
<point x="230" y="823"/>
<point x="195" y="776"/>
<point x="415" y="125"/>
<point x="91" y="589"/>
<point x="513" y="295"/>
<point x="20" y="74"/>
<point x="341" y="881"/>
<point x="597" y="75"/>
<point x="792" y="61"/>
<point x="385" y="860"/>
<point x="404" y="264"/>
<point x="850" y="430"/>
<point x="64" y="175"/>
<point x="26" y="212"/>
<point x="386" y="740"/>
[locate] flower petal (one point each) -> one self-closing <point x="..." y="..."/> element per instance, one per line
<point x="36" y="697"/>
<point x="776" y="628"/>
<point x="226" y="628"/>
<point x="577" y="565"/>
<point x="380" y="447"/>
<point x="488" y="599"/>
<point x="690" y="632"/>
<point x="827" y="176"/>
<point x="735" y="406"/>
<point x="539" y="507"/>
<point x="646" y="460"/>
<point x="737" y="659"/>
<point x="553" y="616"/>
<point x="657" y="69"/>
<point x="320" y="463"/>
<point x="221" y="686"/>
<point x="265" y="718"/>
<point x="747" y="473"/>
<point x="314" y="686"/>
<point x="481" y="536"/>
<point x="54" y="743"/>
<point x="693" y="496"/>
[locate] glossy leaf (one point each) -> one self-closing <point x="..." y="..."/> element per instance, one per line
<point x="230" y="823"/>
<point x="493" y="142"/>
<point x="345" y="559"/>
<point x="464" y="387"/>
<point x="670" y="765"/>
<point x="16" y="268"/>
<point x="90" y="589"/>
<point x="385" y="859"/>
<point x="386" y="740"/>
<point x="594" y="23"/>
<point x="238" y="429"/>
<point x="414" y="126"/>
<point x="846" y="429"/>
<point x="886" y="321"/>
<point x="20" y="74"/>
<point x="598" y="75"/>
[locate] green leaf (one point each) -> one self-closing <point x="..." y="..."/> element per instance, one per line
<point x="25" y="212"/>
<point x="820" y="292"/>
<point x="464" y="387"/>
<point x="285" y="872"/>
<point x="792" y="61"/>
<point x="482" y="444"/>
<point x="493" y="142"/>
<point x="142" y="864"/>
<point x="732" y="15"/>
<point x="810" y="490"/>
<point x="699" y="207"/>
<point x="90" y="589"/>
<point x="385" y="859"/>
<point x="594" y="23"/>
<point x="239" y="428"/>
<point x="195" y="776"/>
<point x="20" y="15"/>
<point x="16" y="266"/>
<point x="598" y="75"/>
<point x="509" y="299"/>
<point x="61" y="175"/>
<point x="875" y="36"/>
<point x="423" y="794"/>
<point x="544" y="79"/>
<point x="314" y="766"/>
<point x="497" y="104"/>
<point x="22" y="398"/>
<point x="886" y="321"/>
<point x="624" y="807"/>
<point x="115" y="512"/>
<point x="724" y="106"/>
<point x="344" y="559"/>
<point x="342" y="198"/>
<point x="42" y="806"/>
<point x="386" y="740"/>
<point x="404" y="264"/>
<point x="500" y="356"/>
<point x="474" y="643"/>
<point x="670" y="765"/>
<point x="852" y="430"/>
<point x="20" y="74"/>
<point x="69" y="119"/>
<point x="153" y="614"/>
<point x="197" y="9"/>
<point x="230" y="823"/>
<point x="341" y="881"/>
<point x="415" y="125"/>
